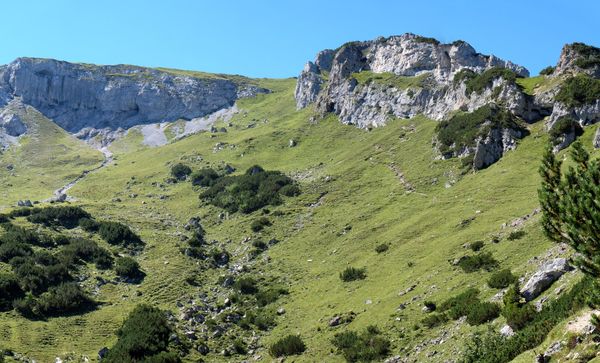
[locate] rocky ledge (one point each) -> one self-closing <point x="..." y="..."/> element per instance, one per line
<point x="80" y="96"/>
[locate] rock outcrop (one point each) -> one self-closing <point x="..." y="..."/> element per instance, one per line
<point x="578" y="58"/>
<point x="366" y="83"/>
<point x="544" y="277"/>
<point x="80" y="96"/>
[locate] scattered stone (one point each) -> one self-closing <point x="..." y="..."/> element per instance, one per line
<point x="280" y="311"/>
<point x="24" y="203"/>
<point x="292" y="143"/>
<point x="506" y="331"/>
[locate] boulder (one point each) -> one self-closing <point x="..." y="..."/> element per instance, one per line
<point x="542" y="279"/>
<point x="506" y="331"/>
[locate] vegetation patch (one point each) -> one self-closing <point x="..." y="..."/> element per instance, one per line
<point x="367" y="346"/>
<point x="353" y="274"/>
<point x="589" y="56"/>
<point x="578" y="91"/>
<point x="501" y="279"/>
<point x="468" y="304"/>
<point x="389" y="79"/>
<point x="464" y="129"/>
<point x="477" y="83"/>
<point x="288" y="345"/>
<point x="180" y="171"/>
<point x="251" y="191"/>
<point x="481" y="261"/>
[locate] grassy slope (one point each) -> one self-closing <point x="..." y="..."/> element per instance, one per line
<point x="364" y="192"/>
<point x="47" y="158"/>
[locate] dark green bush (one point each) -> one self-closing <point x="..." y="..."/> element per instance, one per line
<point x="63" y="299"/>
<point x="89" y="225"/>
<point x="482" y="312"/>
<point x="563" y="126"/>
<point x="578" y="91"/>
<point x="270" y="295"/>
<point x="144" y="337"/>
<point x="484" y="80"/>
<point x="116" y="233"/>
<point x="433" y="320"/>
<point x="463" y="129"/>
<point x="9" y="250"/>
<point x="588" y="56"/>
<point x="481" y="261"/>
<point x="262" y="319"/>
<point x="476" y="246"/>
<point x="463" y="75"/>
<point x="240" y="347"/>
<point x="246" y="285"/>
<point x="460" y="304"/>
<point x="547" y="71"/>
<point x="180" y="171"/>
<point x="421" y="39"/>
<point x="259" y="224"/>
<point x="249" y="192"/>
<point x="515" y="235"/>
<point x="128" y="268"/>
<point x="9" y="291"/>
<point x="66" y="216"/>
<point x="353" y="274"/>
<point x="501" y="279"/>
<point x="517" y="317"/>
<point x="430" y="305"/>
<point x="366" y="346"/>
<point x="288" y="345"/>
<point x="204" y="177"/>
<point x="382" y="248"/>
<point x="80" y="249"/>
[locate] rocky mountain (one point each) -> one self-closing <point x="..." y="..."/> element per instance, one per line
<point x="88" y="97"/>
<point x="368" y="83"/>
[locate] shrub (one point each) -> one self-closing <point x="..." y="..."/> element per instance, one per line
<point x="246" y="285"/>
<point x="259" y="224"/>
<point x="128" y="268"/>
<point x="9" y="250"/>
<point x="430" y="305"/>
<point x="89" y="225"/>
<point x="547" y="71"/>
<point x="63" y="299"/>
<point x="289" y="345"/>
<point x="563" y="126"/>
<point x="88" y="251"/>
<point x="9" y="291"/>
<point x="482" y="261"/>
<point x="268" y="296"/>
<point x="144" y="336"/>
<point x="482" y="312"/>
<point x="180" y="171"/>
<point x="290" y="190"/>
<point x="484" y="80"/>
<point x="66" y="216"/>
<point x="240" y="347"/>
<point x="578" y="91"/>
<point x="463" y="129"/>
<point x="517" y="316"/>
<point x="249" y="192"/>
<point x="588" y="56"/>
<point x="501" y="279"/>
<point x="353" y="274"/>
<point x="366" y="346"/>
<point x="476" y="246"/>
<point x="433" y="320"/>
<point x="204" y="177"/>
<point x="515" y="235"/>
<point x="262" y="319"/>
<point x="382" y="248"/>
<point x="116" y="233"/>
<point x="460" y="304"/>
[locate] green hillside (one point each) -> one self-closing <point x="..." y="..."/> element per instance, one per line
<point x="360" y="189"/>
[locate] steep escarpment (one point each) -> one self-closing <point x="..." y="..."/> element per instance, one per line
<point x="78" y="96"/>
<point x="366" y="83"/>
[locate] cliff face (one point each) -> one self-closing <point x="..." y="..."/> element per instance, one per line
<point x="333" y="83"/>
<point x="78" y="96"/>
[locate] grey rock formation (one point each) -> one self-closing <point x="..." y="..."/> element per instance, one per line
<point x="12" y="124"/>
<point x="332" y="87"/>
<point x="596" y="140"/>
<point x="79" y="96"/>
<point x="578" y="58"/>
<point x="542" y="279"/>
<point x="491" y="148"/>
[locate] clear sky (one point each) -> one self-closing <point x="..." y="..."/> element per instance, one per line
<point x="274" y="38"/>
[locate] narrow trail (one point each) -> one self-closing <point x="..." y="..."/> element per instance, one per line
<point x="61" y="195"/>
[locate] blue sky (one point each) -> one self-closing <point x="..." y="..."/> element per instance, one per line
<point x="274" y="38"/>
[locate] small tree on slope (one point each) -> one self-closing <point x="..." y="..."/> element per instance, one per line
<point x="571" y="208"/>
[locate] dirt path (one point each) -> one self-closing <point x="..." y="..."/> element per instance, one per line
<point x="60" y="194"/>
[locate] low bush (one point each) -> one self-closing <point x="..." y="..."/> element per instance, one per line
<point x="547" y="71"/>
<point x="246" y="285"/>
<point x="204" y="177"/>
<point x="480" y="82"/>
<point x="288" y="345"/>
<point x="353" y="274"/>
<point x="249" y="192"/>
<point x="259" y="224"/>
<point x="482" y="261"/>
<point x="588" y="56"/>
<point x="116" y="233"/>
<point x="66" y="216"/>
<point x="143" y="337"/>
<point x="382" y="248"/>
<point x="268" y="296"/>
<point x="180" y="171"/>
<point x="501" y="279"/>
<point x="434" y="320"/>
<point x="366" y="346"/>
<point x="578" y="91"/>
<point x="476" y="246"/>
<point x="127" y="267"/>
<point x="9" y="291"/>
<point x="64" y="299"/>
<point x="459" y="305"/>
<point x="482" y="312"/>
